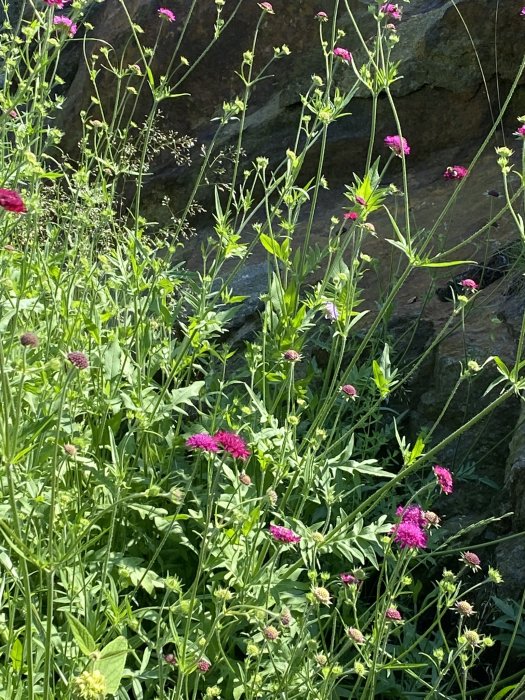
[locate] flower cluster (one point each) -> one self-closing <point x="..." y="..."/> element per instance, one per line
<point x="12" y="201"/>
<point x="62" y="22"/>
<point x="397" y="144"/>
<point x="166" y="14"/>
<point x="455" y="172"/>
<point x="391" y="9"/>
<point x="443" y="475"/>
<point x="283" y="534"/>
<point x="410" y="532"/>
<point x="229" y="442"/>
<point x="343" y="54"/>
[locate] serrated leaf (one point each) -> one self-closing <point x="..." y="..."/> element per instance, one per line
<point x="112" y="662"/>
<point x="81" y="635"/>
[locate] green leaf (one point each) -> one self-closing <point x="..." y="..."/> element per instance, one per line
<point x="111" y="663"/>
<point x="16" y="654"/>
<point x="184" y="395"/>
<point x="504" y="691"/>
<point x="82" y="637"/>
<point x="113" y="360"/>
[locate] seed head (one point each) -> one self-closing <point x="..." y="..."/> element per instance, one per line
<point x="464" y="608"/>
<point x="70" y="449"/>
<point x="355" y="635"/>
<point x="286" y="618"/>
<point x="203" y="665"/>
<point x="292" y="356"/>
<point x="29" y="340"/>
<point x="471" y="560"/>
<point x="245" y="479"/>
<point x="322" y="595"/>
<point x="271" y="633"/>
<point x="471" y="637"/>
<point x="78" y="359"/>
<point x="349" y="391"/>
<point x="393" y="614"/>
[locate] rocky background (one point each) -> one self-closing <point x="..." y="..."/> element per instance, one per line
<point x="454" y="83"/>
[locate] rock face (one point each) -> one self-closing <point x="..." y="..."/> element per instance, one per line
<point x="452" y="82"/>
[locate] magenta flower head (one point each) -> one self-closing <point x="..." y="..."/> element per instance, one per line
<point x="409" y="535"/>
<point x="522" y="12"/>
<point x="471" y="560"/>
<point x="455" y="172"/>
<point x="390" y="9"/>
<point x="352" y="215"/>
<point x="284" y="534"/>
<point x="78" y="359"/>
<point x="292" y="356"/>
<point x="321" y="16"/>
<point x="350" y="391"/>
<point x="29" y="340"/>
<point x="411" y="514"/>
<point x="469" y="284"/>
<point x="397" y="144"/>
<point x="348" y="579"/>
<point x="62" y="22"/>
<point x="393" y="614"/>
<point x="232" y="443"/>
<point x="56" y="3"/>
<point x="444" y="479"/>
<point x="166" y="14"/>
<point x="266" y="7"/>
<point x="343" y="54"/>
<point x="330" y="311"/>
<point x="12" y="201"/>
<point x="203" y="665"/>
<point x="202" y="441"/>
<point x="520" y="131"/>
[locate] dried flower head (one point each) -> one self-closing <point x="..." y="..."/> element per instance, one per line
<point x="286" y="618"/>
<point x="202" y="441"/>
<point x="29" y="340"/>
<point x="321" y="16"/>
<point x="271" y="495"/>
<point x="170" y="659"/>
<point x="283" y="534"/>
<point x="245" y="479"/>
<point x="471" y="560"/>
<point x="271" y="633"/>
<point x="444" y="478"/>
<point x="292" y="356"/>
<point x="355" y="635"/>
<point x="431" y="518"/>
<point x="397" y="144"/>
<point x="322" y="595"/>
<point x="12" y="201"/>
<point x="464" y="608"/>
<point x="266" y="7"/>
<point x="78" y="359"/>
<point x="321" y="659"/>
<point x="393" y="614"/>
<point x="70" y="449"/>
<point x="350" y="391"/>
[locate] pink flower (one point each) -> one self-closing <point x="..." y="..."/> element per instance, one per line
<point x="330" y="311"/>
<point x="390" y="9"/>
<point x="57" y="3"/>
<point x="455" y="172"/>
<point x="350" y="391"/>
<point x="397" y="144"/>
<point x="322" y="16"/>
<point x="469" y="284"/>
<point x="411" y="514"/>
<point x="203" y="665"/>
<point x="232" y="443"/>
<point x="393" y="614"/>
<point x="361" y="201"/>
<point x="62" y="22"/>
<point x="12" y="201"/>
<point x="292" y="356"/>
<point x="202" y="441"/>
<point x="343" y="54"/>
<point x="166" y="14"/>
<point x="266" y="7"/>
<point x="348" y="579"/>
<point x="444" y="477"/>
<point x="409" y="535"/>
<point x="352" y="215"/>
<point x="471" y="560"/>
<point x="522" y="12"/>
<point x="283" y="534"/>
<point x="520" y="131"/>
